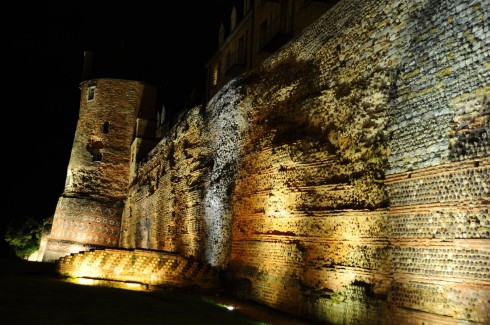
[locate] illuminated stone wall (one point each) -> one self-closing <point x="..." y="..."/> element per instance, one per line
<point x="81" y="224"/>
<point x="179" y="200"/>
<point x="88" y="213"/>
<point x="310" y="227"/>
<point x="438" y="175"/>
<point x="346" y="180"/>
<point x="139" y="269"/>
<point x="164" y="208"/>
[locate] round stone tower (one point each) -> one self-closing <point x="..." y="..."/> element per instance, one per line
<point x="88" y="213"/>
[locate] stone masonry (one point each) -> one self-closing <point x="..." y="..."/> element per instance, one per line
<point x="346" y="179"/>
<point x="88" y="214"/>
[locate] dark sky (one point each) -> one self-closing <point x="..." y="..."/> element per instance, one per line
<point x="166" y="42"/>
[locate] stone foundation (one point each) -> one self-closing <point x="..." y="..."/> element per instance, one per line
<point x="151" y="269"/>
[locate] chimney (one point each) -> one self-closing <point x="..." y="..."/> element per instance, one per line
<point x="88" y="58"/>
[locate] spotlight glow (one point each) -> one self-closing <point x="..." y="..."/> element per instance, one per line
<point x="85" y="281"/>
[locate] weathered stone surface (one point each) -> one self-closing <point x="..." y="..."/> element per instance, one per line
<point x="149" y="268"/>
<point x="345" y="180"/>
<point x="88" y="214"/>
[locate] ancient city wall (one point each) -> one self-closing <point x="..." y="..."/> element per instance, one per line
<point x="347" y="179"/>
<point x="164" y="209"/>
<point x="88" y="213"/>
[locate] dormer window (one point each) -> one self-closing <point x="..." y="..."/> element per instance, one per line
<point x="233" y="19"/>
<point x="91" y="93"/>
<point x="221" y="35"/>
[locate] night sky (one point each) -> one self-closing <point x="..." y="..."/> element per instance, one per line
<point x="166" y="43"/>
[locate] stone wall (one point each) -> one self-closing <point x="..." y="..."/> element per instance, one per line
<point x="400" y="90"/>
<point x="345" y="180"/>
<point x="438" y="173"/>
<point x="165" y="204"/>
<point x="88" y="213"/>
<point x="140" y="269"/>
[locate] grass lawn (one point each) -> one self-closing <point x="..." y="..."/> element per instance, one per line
<point x="32" y="293"/>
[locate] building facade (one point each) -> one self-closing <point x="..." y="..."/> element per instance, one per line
<point x="255" y="30"/>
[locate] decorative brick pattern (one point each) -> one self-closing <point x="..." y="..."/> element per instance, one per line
<point x="151" y="268"/>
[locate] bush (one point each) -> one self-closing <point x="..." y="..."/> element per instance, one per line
<point x="24" y="235"/>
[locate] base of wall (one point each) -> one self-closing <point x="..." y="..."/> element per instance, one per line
<point x="56" y="249"/>
<point x="139" y="269"/>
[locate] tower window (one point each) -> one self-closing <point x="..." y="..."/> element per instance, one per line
<point x="97" y="155"/>
<point x="91" y="93"/>
<point x="105" y="129"/>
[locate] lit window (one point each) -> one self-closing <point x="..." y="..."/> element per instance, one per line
<point x="216" y="72"/>
<point x="91" y="93"/>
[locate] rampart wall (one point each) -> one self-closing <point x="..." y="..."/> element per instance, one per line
<point x="345" y="180"/>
